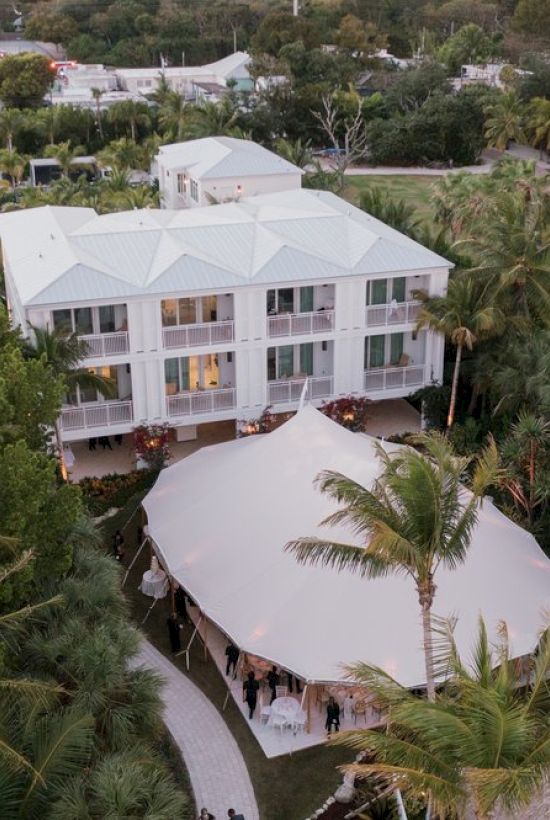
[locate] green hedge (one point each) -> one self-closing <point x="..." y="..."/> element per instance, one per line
<point x="114" y="490"/>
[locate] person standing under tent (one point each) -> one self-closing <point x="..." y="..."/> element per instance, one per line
<point x="333" y="716"/>
<point x="180" y="601"/>
<point x="250" y="690"/>
<point x="273" y="682"/>
<point x="174" y="632"/>
<point x="232" y="654"/>
<point x="118" y="545"/>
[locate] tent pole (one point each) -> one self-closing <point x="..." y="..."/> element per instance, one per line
<point x="308" y="721"/>
<point x="188" y="647"/>
<point x="149" y="610"/>
<point x="134" y="559"/>
<point x="205" y="639"/>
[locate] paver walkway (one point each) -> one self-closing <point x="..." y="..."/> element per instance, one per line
<point x="215" y="764"/>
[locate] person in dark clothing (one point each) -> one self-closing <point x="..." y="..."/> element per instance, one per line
<point x="105" y="441"/>
<point x="233" y="815"/>
<point x="174" y="632"/>
<point x="232" y="654"/>
<point x="272" y="682"/>
<point x="118" y="439"/>
<point x="92" y="443"/>
<point x="250" y="690"/>
<point x="291" y="680"/>
<point x="180" y="601"/>
<point x="333" y="716"/>
<point x="139" y="536"/>
<point x="118" y="545"/>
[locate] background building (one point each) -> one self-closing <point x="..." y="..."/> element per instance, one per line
<point x="220" y="169"/>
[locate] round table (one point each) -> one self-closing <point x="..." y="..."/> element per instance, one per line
<point x="285" y="707"/>
<point x="154" y="584"/>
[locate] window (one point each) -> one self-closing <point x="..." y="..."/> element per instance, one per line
<point x="209" y="308"/>
<point x="398" y="289"/>
<point x="376" y="349"/>
<point x="377" y="292"/>
<point x="83" y="321"/>
<point x="396" y="348"/>
<point x="280" y="301"/>
<point x="187" y="311"/>
<point x="306" y="358"/>
<point x="107" y="319"/>
<point x="62" y="320"/>
<point x="181" y="181"/>
<point x="169" y="310"/>
<point x="176" y="376"/>
<point x="280" y="362"/>
<point x="306" y="299"/>
<point x="194" y="189"/>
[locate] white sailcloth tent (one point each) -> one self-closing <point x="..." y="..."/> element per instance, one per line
<point x="220" y="519"/>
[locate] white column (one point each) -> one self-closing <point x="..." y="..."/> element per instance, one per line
<point x="348" y="365"/>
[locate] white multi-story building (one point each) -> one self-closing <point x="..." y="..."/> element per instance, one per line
<point x="220" y="169"/>
<point x="213" y="313"/>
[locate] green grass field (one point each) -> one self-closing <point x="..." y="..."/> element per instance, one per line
<point x="414" y="190"/>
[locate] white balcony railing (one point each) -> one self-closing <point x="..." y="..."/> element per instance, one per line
<point x="398" y="313"/>
<point x="106" y="344"/>
<point x="290" y="390"/>
<point x="208" y="333"/>
<point x="96" y="415"/>
<point x="195" y="403"/>
<point x="300" y="324"/>
<point x="392" y="378"/>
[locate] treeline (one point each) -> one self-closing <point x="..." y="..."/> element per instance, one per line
<point x="81" y="734"/>
<point x="137" y="32"/>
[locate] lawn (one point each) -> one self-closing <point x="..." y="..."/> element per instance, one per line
<point x="286" y="788"/>
<point x="414" y="190"/>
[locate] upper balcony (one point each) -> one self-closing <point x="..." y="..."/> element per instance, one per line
<point x="87" y="410"/>
<point x="197" y="322"/>
<point x="200" y="385"/>
<point x="300" y="311"/>
<point x="391" y="301"/>
<point x="103" y="328"/>
<point x="300" y="324"/>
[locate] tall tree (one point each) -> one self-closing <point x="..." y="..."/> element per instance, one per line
<point x="12" y="164"/>
<point x="173" y="116"/>
<point x="65" y="154"/>
<point x="415" y="519"/>
<point x="463" y="316"/>
<point x="504" y="121"/>
<point x="97" y="94"/>
<point x="130" y="113"/>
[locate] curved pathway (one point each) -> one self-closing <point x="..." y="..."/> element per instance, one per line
<point x="215" y="764"/>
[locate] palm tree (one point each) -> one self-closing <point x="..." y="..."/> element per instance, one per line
<point x="173" y="115"/>
<point x="64" y="353"/>
<point x="513" y="253"/>
<point x="11" y="122"/>
<point x="297" y="152"/>
<point x="414" y="519"/>
<point x="122" y="154"/>
<point x="538" y="123"/>
<point x="12" y="164"/>
<point x="521" y="453"/>
<point x="396" y="213"/>
<point x="65" y="154"/>
<point x="504" y="121"/>
<point x="484" y="745"/>
<point x="97" y="94"/>
<point x="463" y="317"/>
<point x="47" y="122"/>
<point x="212" y="119"/>
<point x="132" y="113"/>
<point x="519" y="374"/>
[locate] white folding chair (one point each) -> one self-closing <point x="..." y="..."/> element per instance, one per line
<point x="278" y="722"/>
<point x="299" y="721"/>
<point x="281" y="691"/>
<point x="265" y="714"/>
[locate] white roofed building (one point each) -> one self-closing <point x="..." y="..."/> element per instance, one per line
<point x="232" y="69"/>
<point x="220" y="169"/>
<point x="212" y="313"/>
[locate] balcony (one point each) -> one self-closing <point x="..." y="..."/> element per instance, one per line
<point x="196" y="403"/>
<point x="106" y="344"/>
<point x="300" y="324"/>
<point x="395" y="378"/>
<point x="89" y="416"/>
<point x="290" y="390"/>
<point x="395" y="313"/>
<point x="198" y="335"/>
